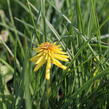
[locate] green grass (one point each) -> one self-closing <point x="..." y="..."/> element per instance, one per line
<point x="82" y="29"/>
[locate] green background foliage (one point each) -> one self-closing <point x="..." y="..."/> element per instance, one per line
<point x="82" y="29"/>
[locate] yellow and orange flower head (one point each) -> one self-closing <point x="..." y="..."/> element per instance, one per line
<point x="49" y="53"/>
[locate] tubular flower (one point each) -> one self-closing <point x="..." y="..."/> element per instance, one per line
<point x="49" y="53"/>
